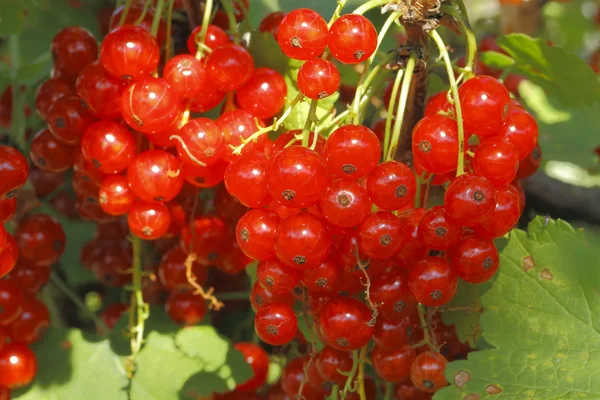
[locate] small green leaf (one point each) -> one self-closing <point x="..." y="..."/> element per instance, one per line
<point x="464" y="311"/>
<point x="303" y="327"/>
<point x="496" y="60"/>
<point x="14" y="14"/>
<point x="78" y="234"/>
<point x="541" y="315"/>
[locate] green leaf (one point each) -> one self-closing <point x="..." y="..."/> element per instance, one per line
<point x="303" y="327"/>
<point x="251" y="271"/>
<point x="78" y="234"/>
<point x="464" y="312"/>
<point x="563" y="75"/>
<point x="14" y="14"/>
<point x="542" y="316"/>
<point x="196" y="361"/>
<point x="71" y="367"/>
<point x="496" y="60"/>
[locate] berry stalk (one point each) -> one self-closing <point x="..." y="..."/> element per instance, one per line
<point x="369" y="5"/>
<point x="361" y="373"/>
<point x="390" y="111"/>
<point x="205" y="22"/>
<point x="160" y="5"/>
<point x="144" y="12"/>
<point x="310" y="118"/>
<point x="463" y="23"/>
<point x="228" y="7"/>
<point x="455" y="100"/>
<point x="139" y="310"/>
<point x="429" y="338"/>
<point x="125" y="12"/>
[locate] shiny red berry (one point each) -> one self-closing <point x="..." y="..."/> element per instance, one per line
<point x="229" y="67"/>
<point x="303" y="241"/>
<point x="497" y="160"/>
<point x="276" y="277"/>
<point x="485" y="103"/>
<point x="41" y="239"/>
<point x="302" y="34"/>
<point x="29" y="279"/>
<point x="324" y="277"/>
<point x="215" y="37"/>
<point x="393" y="365"/>
<point x="200" y="140"/>
<point x="438" y="103"/>
<point x="331" y="363"/>
<point x="433" y="281"/>
<point x="207" y="238"/>
<point x="245" y="179"/>
<point x="108" y="146"/>
<point x="259" y="362"/>
<point x="437" y="231"/>
<point x="32" y="323"/>
<point x="521" y="130"/>
<point x="380" y="235"/>
<point x="129" y="52"/>
<point x="149" y="221"/>
<point x="14" y="171"/>
<point x="155" y="175"/>
<point x="504" y="217"/>
<point x="352" y="152"/>
<point x="318" y="79"/>
<point x="204" y="177"/>
<point x="530" y="164"/>
<point x="393" y="334"/>
<point x="141" y="16"/>
<point x="392" y="185"/>
<point x="68" y="118"/>
<point x="172" y="271"/>
<point x="475" y="259"/>
<point x="427" y="372"/>
<point x="352" y="39"/>
<point x="11" y="299"/>
<point x="48" y="93"/>
<point x="238" y="125"/>
<point x="18" y="365"/>
<point x="276" y="324"/>
<point x="208" y="99"/>
<point x="186" y="75"/>
<point x="72" y="49"/>
<point x="260" y="297"/>
<point x="470" y="199"/>
<point x="100" y="91"/>
<point x="186" y="308"/>
<point x="256" y="232"/>
<point x="346" y="324"/>
<point x="345" y="203"/>
<point x="391" y="293"/>
<point x="9" y="255"/>
<point x="8" y="208"/>
<point x="264" y="94"/>
<point x="435" y="144"/>
<point x="114" y="196"/>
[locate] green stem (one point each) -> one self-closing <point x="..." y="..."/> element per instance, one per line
<point x="169" y="28"/>
<point x="311" y="117"/>
<point x="361" y="373"/>
<point x="462" y="20"/>
<point x="389" y="391"/>
<point x="204" y="27"/>
<point x="460" y="169"/>
<point x="386" y="26"/>
<point x="125" y="12"/>
<point x="351" y="374"/>
<point x="144" y="12"/>
<point x="160" y="5"/>
<point x="390" y="112"/>
<point x="429" y="338"/>
<point x="355" y="112"/>
<point x="369" y="5"/>
<point x="406" y="81"/>
<point x="463" y="10"/>
<point x="228" y="7"/>
<point x="62" y="286"/>
<point x="139" y="309"/>
<point x="336" y="12"/>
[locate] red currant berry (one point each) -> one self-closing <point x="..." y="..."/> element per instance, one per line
<point x="264" y="94"/>
<point x="330" y="362"/>
<point x="391" y="293"/>
<point x="271" y="22"/>
<point x="29" y="279"/>
<point x="236" y="126"/>
<point x="209" y="99"/>
<point x="18" y="365"/>
<point x="296" y="177"/>
<point x="276" y="277"/>
<point x="352" y="39"/>
<point x="475" y="259"/>
<point x="345" y="203"/>
<point x="435" y="144"/>
<point x="530" y="164"/>
<point x="48" y="93"/>
<point x="318" y="79"/>
<point x="393" y="365"/>
<point x="111" y="315"/>
<point x="437" y="231"/>
<point x="303" y="241"/>
<point x="32" y="323"/>
<point x="186" y="75"/>
<point x="276" y="324"/>
<point x="215" y="37"/>
<point x="293" y="377"/>
<point x="427" y="372"/>
<point x="72" y="49"/>
<point x="380" y="235"/>
<point x="322" y="278"/>
<point x="201" y="139"/>
<point x="8" y="256"/>
<point x="114" y="196"/>
<point x="260" y="297"/>
<point x="302" y="34"/>
<point x="150" y="105"/>
<point x="245" y="179"/>
<point x="505" y="215"/>
<point x="485" y="102"/>
<point x="149" y="221"/>
<point x="68" y="118"/>
<point x="129" y="52"/>
<point x="413" y="249"/>
<point x="108" y="146"/>
<point x="8" y="208"/>
<point x="256" y="232"/>
<point x="208" y="238"/>
<point x="41" y="239"/>
<point x="497" y="160"/>
<point x="352" y="152"/>
<point x="186" y="308"/>
<point x="259" y="362"/>
<point x="433" y="282"/>
<point x="205" y="177"/>
<point x="470" y="199"/>
<point x="392" y="185"/>
<point x="521" y="130"/>
<point x="393" y="334"/>
<point x="11" y="299"/>
<point x="14" y="171"/>
<point x="155" y="175"/>
<point x="100" y="91"/>
<point x="438" y="103"/>
<point x="229" y="67"/>
<point x="346" y="324"/>
<point x="172" y="271"/>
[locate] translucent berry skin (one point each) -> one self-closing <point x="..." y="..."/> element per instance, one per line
<point x="204" y="177"/>
<point x="521" y="130"/>
<point x="49" y="92"/>
<point x="437" y="231"/>
<point x="485" y="102"/>
<point x="18" y="365"/>
<point x="9" y="255"/>
<point x="393" y="365"/>
<point x="393" y="334"/>
<point x="281" y="142"/>
<point x="100" y="91"/>
<point x="149" y="221"/>
<point x="264" y="94"/>
<point x="72" y="49"/>
<point x="322" y="278"/>
<point x="303" y="241"/>
<point x="271" y="22"/>
<point x="293" y="376"/>
<point x="229" y="67"/>
<point x="260" y="297"/>
<point x="207" y="239"/>
<point x="186" y="308"/>
<point x="186" y="75"/>
<point x="11" y="299"/>
<point x="433" y="281"/>
<point x="276" y="277"/>
<point x="8" y="208"/>
<point x="235" y="126"/>
<point x="391" y="293"/>
<point x="130" y="53"/>
<point x="150" y="105"/>
<point x="504" y="217"/>
<point x="256" y="232"/>
<point x="437" y="103"/>
<point x="215" y="37"/>
<point x="209" y="99"/>
<point x="352" y="39"/>
<point x="245" y="179"/>
<point x="41" y="239"/>
<point x="331" y="361"/>
<point x="203" y="140"/>
<point x="435" y="144"/>
<point x="259" y="362"/>
<point x="427" y="372"/>
<point x="302" y="34"/>
<point x="154" y="175"/>
<point x="112" y="314"/>
<point x="172" y="271"/>
<point x="296" y="177"/>
<point x="68" y="118"/>
<point x="108" y="146"/>
<point x="380" y="235"/>
<point x="344" y="324"/>
<point x="32" y="323"/>
<point x="530" y="164"/>
<point x="497" y="160"/>
<point x="345" y="203"/>
<point x="318" y="79"/>
<point x="391" y="185"/>
<point x="114" y="196"/>
<point x="14" y="171"/>
<point x="470" y="199"/>
<point x="352" y="151"/>
<point x="276" y="324"/>
<point x="475" y="259"/>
